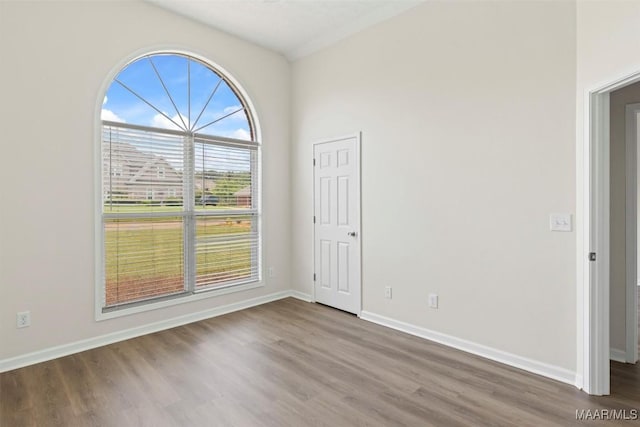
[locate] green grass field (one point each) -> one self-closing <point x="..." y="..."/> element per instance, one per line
<point x="144" y="257"/>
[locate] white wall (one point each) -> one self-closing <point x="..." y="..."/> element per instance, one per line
<point x="55" y="57"/>
<point x="468" y="122"/>
<point x="618" y="277"/>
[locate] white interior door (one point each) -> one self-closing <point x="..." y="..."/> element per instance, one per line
<point x="336" y="183"/>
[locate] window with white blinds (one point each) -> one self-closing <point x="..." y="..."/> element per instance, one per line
<point x="179" y="193"/>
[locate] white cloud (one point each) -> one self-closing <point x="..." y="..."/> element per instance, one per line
<point x="240" y="134"/>
<point x="111" y="116"/>
<point x="160" y="121"/>
<point x="104" y="101"/>
<point x="231" y="109"/>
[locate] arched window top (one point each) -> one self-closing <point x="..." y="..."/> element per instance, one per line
<point x="180" y="92"/>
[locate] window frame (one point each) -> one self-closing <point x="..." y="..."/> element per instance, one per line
<point x="100" y="253"/>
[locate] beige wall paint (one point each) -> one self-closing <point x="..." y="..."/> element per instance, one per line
<point x="468" y="143"/>
<point x="608" y="49"/>
<point x="55" y="58"/>
<point x="618" y="278"/>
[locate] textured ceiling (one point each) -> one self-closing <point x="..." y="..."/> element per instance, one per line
<point x="294" y="28"/>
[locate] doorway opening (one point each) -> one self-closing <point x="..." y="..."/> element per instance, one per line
<point x="607" y="252"/>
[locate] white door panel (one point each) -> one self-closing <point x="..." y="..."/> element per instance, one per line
<point x="337" y="223"/>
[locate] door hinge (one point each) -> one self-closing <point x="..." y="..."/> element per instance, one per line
<point x="314" y="162"/>
<point x="314" y="277"/>
<point x="314" y="219"/>
<point x="592" y="256"/>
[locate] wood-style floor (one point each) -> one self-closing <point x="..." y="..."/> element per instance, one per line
<point x="291" y="363"/>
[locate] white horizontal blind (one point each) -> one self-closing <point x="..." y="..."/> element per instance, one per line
<point x="144" y="258"/>
<point x="226" y="250"/>
<point x="143" y="214"/>
<point x="142" y="170"/>
<point x="158" y="241"/>
<point x="227" y="236"/>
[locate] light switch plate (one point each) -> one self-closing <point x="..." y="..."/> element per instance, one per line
<point x="433" y="300"/>
<point x="560" y="222"/>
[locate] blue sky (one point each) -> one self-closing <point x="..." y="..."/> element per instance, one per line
<point x="178" y="74"/>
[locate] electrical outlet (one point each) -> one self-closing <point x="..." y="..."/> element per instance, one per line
<point x="387" y="292"/>
<point x="23" y="319"/>
<point x="433" y="300"/>
<point x="271" y="272"/>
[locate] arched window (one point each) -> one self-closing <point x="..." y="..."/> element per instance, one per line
<point x="179" y="166"/>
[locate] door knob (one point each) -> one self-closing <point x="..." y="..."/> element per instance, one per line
<point x="352" y="233"/>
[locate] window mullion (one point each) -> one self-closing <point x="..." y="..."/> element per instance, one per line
<point x="189" y="218"/>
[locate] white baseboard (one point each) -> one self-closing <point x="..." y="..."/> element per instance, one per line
<point x="301" y="296"/>
<point x="618" y="355"/>
<point x="99" y="341"/>
<point x="540" y="368"/>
